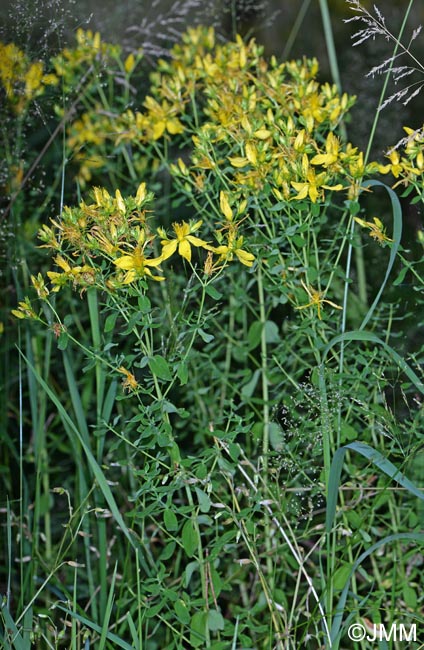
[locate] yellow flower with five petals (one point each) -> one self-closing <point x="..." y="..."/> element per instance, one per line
<point x="183" y="241"/>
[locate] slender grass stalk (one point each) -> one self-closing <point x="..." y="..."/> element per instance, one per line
<point x="386" y="81"/>
<point x="295" y="29"/>
<point x="329" y="40"/>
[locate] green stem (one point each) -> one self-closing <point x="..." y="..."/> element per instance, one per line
<point x="329" y="40"/>
<point x="265" y="416"/>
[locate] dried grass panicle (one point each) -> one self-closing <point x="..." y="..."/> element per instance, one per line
<point x="374" y="24"/>
<point x="403" y="142"/>
<point x="163" y="24"/>
<point x="161" y="27"/>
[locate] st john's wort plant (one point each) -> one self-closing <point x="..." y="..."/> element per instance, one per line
<point x="228" y="328"/>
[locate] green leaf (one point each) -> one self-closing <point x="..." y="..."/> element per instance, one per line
<point x="340" y="576"/>
<point x="215" y="620"/>
<point x="95" y="467"/>
<point x="213" y="293"/>
<point x="182" y="373"/>
<point x="153" y="610"/>
<point x="18" y="641"/>
<point x="170" y="520"/>
<point x="190" y="538"/>
<point x="63" y="340"/>
<point x="168" y="551"/>
<point x="281" y="205"/>
<point x="110" y="322"/>
<point x="249" y="388"/>
<point x="182" y="612"/>
<point x="254" y="334"/>
<point x="400" y="278"/>
<point x="204" y="500"/>
<point x="336" y="630"/>
<point x="271" y="332"/>
<point x="189" y="570"/>
<point x="358" y="335"/>
<point x="113" y="638"/>
<point x="160" y="368"/>
<point x="410" y="597"/>
<point x="198" y="629"/>
<point x="276" y="437"/>
<point x="144" y="304"/>
<point x="205" y="336"/>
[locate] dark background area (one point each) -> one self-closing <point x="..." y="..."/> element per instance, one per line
<point x="286" y="28"/>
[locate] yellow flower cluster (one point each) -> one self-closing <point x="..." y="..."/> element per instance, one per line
<point x="90" y="52"/>
<point x="267" y="124"/>
<point x="22" y="79"/>
<point x="109" y="243"/>
<point x="407" y="164"/>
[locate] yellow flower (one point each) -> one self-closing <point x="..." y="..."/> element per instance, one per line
<point x="331" y="156"/>
<point x="80" y="275"/>
<point x="225" y="206"/>
<point x="313" y="186"/>
<point x="395" y="166"/>
<point x="25" y="310"/>
<point x="130" y="382"/>
<point x="316" y="300"/>
<point x="234" y="247"/>
<point x="39" y="285"/>
<point x="376" y="229"/>
<point x="162" y="118"/>
<point x="137" y="265"/>
<point x="184" y="240"/>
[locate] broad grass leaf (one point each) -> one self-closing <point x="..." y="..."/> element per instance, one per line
<point x="95" y="467"/>
<point x="85" y="622"/>
<point x="336" y="629"/>
<point x="377" y="459"/>
<point x="18" y="641"/>
<point x="397" y="235"/>
<point x="359" y="335"/>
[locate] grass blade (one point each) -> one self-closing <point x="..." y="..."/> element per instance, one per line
<point x="378" y="460"/>
<point x="338" y="617"/>
<point x="95" y="467"/>
<point x="397" y="235"/>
